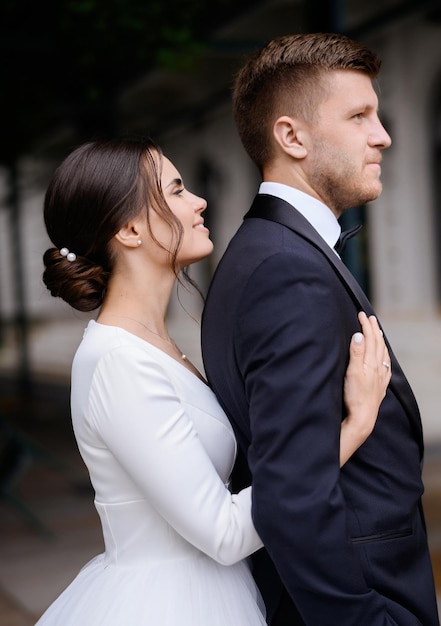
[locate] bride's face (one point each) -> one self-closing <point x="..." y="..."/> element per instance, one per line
<point x="188" y="209"/>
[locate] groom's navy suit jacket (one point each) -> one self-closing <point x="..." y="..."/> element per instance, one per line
<point x="349" y="546"/>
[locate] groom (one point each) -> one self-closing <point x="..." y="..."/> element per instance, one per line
<point x="343" y="547"/>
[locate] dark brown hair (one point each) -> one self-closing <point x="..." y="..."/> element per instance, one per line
<point x="285" y="77"/>
<point x="95" y="191"/>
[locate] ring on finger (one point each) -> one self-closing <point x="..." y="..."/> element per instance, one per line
<point x="386" y="364"/>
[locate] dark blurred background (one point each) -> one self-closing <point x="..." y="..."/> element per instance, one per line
<point x="75" y="70"/>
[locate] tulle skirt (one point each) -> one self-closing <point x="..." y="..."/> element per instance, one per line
<point x="194" y="591"/>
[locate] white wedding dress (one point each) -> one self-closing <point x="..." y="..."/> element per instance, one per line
<point x="159" y="451"/>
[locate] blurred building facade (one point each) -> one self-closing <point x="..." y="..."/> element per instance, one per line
<point x="398" y="258"/>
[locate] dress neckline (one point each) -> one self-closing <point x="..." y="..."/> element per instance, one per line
<point x="150" y="345"/>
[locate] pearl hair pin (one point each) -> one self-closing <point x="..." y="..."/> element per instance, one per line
<point x="70" y="256"/>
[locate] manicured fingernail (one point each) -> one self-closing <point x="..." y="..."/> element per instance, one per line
<point x="358" y="337"/>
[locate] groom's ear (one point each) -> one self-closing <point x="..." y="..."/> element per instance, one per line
<point x="291" y="135"/>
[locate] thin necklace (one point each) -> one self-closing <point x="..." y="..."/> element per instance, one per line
<point x="167" y="340"/>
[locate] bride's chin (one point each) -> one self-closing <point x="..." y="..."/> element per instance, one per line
<point x="185" y="262"/>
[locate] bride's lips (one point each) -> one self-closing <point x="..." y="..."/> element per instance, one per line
<point x="200" y="226"/>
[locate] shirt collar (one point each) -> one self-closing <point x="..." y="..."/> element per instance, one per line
<point x="318" y="214"/>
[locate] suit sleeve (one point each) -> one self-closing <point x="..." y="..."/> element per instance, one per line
<point x="292" y="346"/>
<point x="140" y="418"/>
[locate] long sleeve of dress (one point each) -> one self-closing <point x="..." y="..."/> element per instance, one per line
<point x="134" y="418"/>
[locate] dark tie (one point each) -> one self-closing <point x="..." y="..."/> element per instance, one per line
<point x="344" y="236"/>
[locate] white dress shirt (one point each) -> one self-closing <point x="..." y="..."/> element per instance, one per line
<point x="318" y="214"/>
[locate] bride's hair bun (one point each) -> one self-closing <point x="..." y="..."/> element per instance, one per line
<point x="78" y="282"/>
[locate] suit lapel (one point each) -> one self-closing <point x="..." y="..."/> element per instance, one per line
<point x="277" y="210"/>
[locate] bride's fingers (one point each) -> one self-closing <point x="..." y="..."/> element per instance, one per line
<point x="375" y="350"/>
<point x="381" y="345"/>
<point x="369" y="329"/>
<point x="386" y="362"/>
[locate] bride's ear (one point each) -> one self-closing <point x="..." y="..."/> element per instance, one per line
<point x="129" y="235"/>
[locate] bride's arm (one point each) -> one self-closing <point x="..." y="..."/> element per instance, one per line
<point x="365" y="385"/>
<point x="144" y="428"/>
